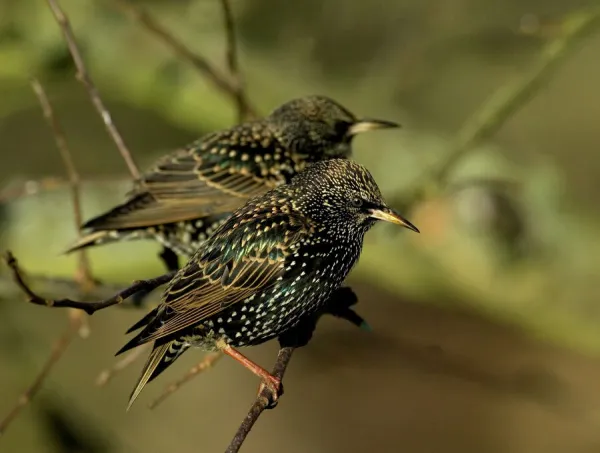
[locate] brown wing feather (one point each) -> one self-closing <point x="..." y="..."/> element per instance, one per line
<point x="231" y="269"/>
<point x="214" y="175"/>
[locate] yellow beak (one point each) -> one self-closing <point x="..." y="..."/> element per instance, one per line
<point x="389" y="215"/>
<point x="368" y="124"/>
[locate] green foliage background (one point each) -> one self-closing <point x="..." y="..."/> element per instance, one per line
<point x="526" y="254"/>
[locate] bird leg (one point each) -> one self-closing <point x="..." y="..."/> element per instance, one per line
<point x="169" y="259"/>
<point x="271" y="382"/>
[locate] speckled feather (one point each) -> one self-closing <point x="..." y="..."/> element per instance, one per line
<point x="189" y="193"/>
<point x="274" y="262"/>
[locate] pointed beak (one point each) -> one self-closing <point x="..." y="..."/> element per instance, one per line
<point x="368" y="124"/>
<point x="389" y="215"/>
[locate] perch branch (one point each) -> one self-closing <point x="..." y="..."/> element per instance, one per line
<point x="55" y="286"/>
<point x="505" y="102"/>
<point x="232" y="88"/>
<point x="262" y="402"/>
<point x="84" y="77"/>
<point x="89" y="307"/>
<point x="201" y="366"/>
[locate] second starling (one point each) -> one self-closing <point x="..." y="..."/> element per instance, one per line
<point x="187" y="194"/>
<point x="276" y="261"/>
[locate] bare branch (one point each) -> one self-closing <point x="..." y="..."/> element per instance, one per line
<point x="232" y="63"/>
<point x="203" y="66"/>
<point x="84" y="271"/>
<point x="84" y="275"/>
<point x="55" y="286"/>
<point x="58" y="349"/>
<point x="84" y="77"/>
<point x="89" y="307"/>
<point x="204" y="365"/>
<point x="262" y="402"/>
<point x="106" y="375"/>
<point x="506" y="101"/>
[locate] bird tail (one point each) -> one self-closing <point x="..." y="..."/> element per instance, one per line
<point x="161" y="357"/>
<point x="94" y="238"/>
<point x="151" y="316"/>
<point x="103" y="237"/>
<point x="112" y="225"/>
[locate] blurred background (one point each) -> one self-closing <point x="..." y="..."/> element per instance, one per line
<point x="485" y="326"/>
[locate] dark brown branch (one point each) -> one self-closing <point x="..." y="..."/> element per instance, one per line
<point x="89" y="307"/>
<point x="262" y="402"/>
<point x="206" y="363"/>
<point x="232" y="63"/>
<point x="84" y="77"/>
<point x="58" y="349"/>
<point x="338" y="305"/>
<point x="84" y="270"/>
<point x="57" y="286"/>
<point x="201" y="64"/>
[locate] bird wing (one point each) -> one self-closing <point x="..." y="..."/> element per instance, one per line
<point x="214" y="175"/>
<point x="245" y="256"/>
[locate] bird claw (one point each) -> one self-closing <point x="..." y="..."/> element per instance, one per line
<point x="271" y="389"/>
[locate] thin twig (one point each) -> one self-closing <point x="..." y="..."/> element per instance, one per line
<point x="262" y="402"/>
<point x="84" y="270"/>
<point x="84" y="77"/>
<point x="58" y="349"/>
<point x="505" y="102"/>
<point x="55" y="286"/>
<point x="106" y="375"/>
<point x="204" y="365"/>
<point x="202" y="65"/>
<point x="89" y="307"/>
<point x="232" y="62"/>
<point x="83" y="277"/>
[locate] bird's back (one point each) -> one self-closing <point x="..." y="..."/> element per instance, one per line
<point x="187" y="194"/>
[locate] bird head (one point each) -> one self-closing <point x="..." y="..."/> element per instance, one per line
<point x="344" y="195"/>
<point x="318" y="128"/>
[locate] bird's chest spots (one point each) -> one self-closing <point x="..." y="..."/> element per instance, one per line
<point x="311" y="274"/>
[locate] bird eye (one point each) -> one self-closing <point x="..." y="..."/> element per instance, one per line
<point x="342" y="127"/>
<point x="357" y="202"/>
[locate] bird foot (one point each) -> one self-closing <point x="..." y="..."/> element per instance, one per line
<point x="271" y="388"/>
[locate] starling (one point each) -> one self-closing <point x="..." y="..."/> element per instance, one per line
<point x="189" y="193"/>
<point x="274" y="263"/>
